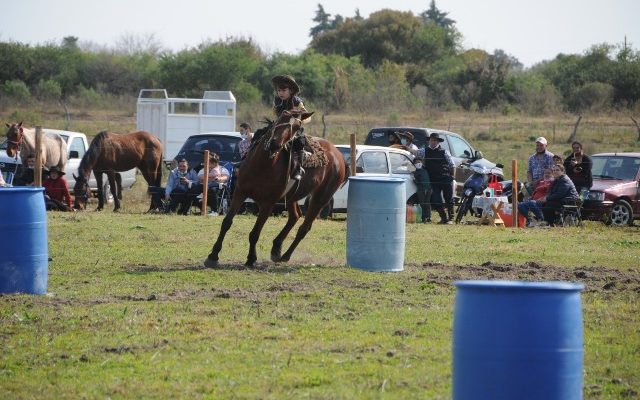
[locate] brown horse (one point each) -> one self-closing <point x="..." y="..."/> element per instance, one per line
<point x="53" y="150"/>
<point x="109" y="153"/>
<point x="265" y="177"/>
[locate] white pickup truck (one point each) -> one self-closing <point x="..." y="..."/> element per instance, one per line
<point x="77" y="145"/>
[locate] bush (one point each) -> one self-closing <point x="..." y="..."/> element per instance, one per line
<point x="593" y="96"/>
<point x="17" y="91"/>
<point x="49" y="90"/>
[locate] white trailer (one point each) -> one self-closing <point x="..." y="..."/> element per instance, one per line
<point x="173" y="120"/>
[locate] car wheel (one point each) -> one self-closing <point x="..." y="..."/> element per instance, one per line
<point x="621" y="214"/>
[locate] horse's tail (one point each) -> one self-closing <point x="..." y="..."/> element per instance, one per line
<point x="64" y="157"/>
<point x="158" y="181"/>
<point x="91" y="156"/>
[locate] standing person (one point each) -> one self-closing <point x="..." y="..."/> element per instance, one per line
<point x="407" y="140"/>
<point x="440" y="167"/>
<point x="286" y="100"/>
<point x="538" y="162"/>
<point x="178" y="190"/>
<point x="56" y="190"/>
<point x="217" y="174"/>
<point x="423" y="185"/>
<point x="247" y="135"/>
<point x="578" y="166"/>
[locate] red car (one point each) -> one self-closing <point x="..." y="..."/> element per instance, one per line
<point x="615" y="195"/>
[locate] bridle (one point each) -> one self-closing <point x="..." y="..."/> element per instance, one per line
<point x="287" y="144"/>
<point x="84" y="197"/>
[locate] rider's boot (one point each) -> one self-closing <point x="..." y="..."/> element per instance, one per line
<point x="298" y="157"/>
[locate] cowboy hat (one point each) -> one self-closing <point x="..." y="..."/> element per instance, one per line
<point x="407" y="135"/>
<point x="57" y="170"/>
<point x="435" y="135"/>
<point x="286" y="81"/>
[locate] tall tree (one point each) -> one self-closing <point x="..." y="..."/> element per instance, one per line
<point x="433" y="14"/>
<point x="322" y="20"/>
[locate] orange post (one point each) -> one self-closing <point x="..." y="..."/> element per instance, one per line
<point x="352" y="143"/>
<point x="37" y="172"/>
<point x="514" y="192"/>
<point x="205" y="184"/>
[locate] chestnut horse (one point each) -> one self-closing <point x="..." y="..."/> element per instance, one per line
<point x="109" y="153"/>
<point x="265" y="177"/>
<point x="53" y="150"/>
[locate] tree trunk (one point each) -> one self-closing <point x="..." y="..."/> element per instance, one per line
<point x="572" y="138"/>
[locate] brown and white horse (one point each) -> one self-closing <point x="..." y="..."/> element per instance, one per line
<point x="53" y="150"/>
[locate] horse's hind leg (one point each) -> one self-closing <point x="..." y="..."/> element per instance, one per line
<point x="212" y="259"/>
<point x="312" y="213"/>
<point x="114" y="190"/>
<point x="294" y="216"/>
<point x="119" y="185"/>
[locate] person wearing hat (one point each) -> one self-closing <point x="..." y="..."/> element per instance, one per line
<point x="56" y="190"/>
<point x="407" y="140"/>
<point x="394" y="139"/>
<point x="286" y="99"/>
<point x="440" y="167"/>
<point x="542" y="159"/>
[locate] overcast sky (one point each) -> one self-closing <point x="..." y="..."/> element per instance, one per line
<point x="530" y="30"/>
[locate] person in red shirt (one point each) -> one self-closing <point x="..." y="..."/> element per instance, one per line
<point x="533" y="204"/>
<point x="56" y="191"/>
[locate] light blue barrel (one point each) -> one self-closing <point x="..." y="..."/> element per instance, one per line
<point x="24" y="256"/>
<point x="376" y="223"/>
<point x="517" y="340"/>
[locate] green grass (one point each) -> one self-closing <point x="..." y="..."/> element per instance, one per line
<point x="131" y="313"/>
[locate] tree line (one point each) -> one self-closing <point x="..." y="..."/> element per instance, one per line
<point x="388" y="61"/>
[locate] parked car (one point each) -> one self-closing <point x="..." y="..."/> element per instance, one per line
<point x="461" y="151"/>
<point x="77" y="145"/>
<point x="615" y="195"/>
<point x="225" y="144"/>
<point x="375" y="161"/>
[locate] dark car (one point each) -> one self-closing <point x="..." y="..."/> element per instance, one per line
<point x="461" y="151"/>
<point x="615" y="195"/>
<point x="225" y="144"/>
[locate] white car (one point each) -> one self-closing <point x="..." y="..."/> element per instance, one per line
<point x="375" y="161"/>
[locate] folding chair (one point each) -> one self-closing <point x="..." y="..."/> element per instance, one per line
<point x="570" y="214"/>
<point x="226" y="190"/>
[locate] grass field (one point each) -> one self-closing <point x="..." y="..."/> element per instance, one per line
<point x="131" y="312"/>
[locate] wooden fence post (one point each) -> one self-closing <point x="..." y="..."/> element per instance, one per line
<point x="205" y="184"/>
<point x="352" y="143"/>
<point x="37" y="171"/>
<point x="514" y="193"/>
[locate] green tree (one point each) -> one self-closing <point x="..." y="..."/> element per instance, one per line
<point x="322" y="22"/>
<point x="434" y="15"/>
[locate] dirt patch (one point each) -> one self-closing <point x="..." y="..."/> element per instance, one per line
<point x="595" y="279"/>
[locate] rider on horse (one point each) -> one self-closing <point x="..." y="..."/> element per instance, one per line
<point x="286" y="100"/>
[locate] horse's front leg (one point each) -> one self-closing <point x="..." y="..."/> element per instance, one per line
<point x="294" y="216"/>
<point x="263" y="215"/>
<point x="114" y="190"/>
<point x="98" y="176"/>
<point x="212" y="259"/>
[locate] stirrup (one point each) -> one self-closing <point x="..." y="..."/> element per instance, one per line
<point x="299" y="174"/>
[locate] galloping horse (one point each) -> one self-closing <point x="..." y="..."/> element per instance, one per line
<point x="265" y="177"/>
<point x="109" y="153"/>
<point x="53" y="150"/>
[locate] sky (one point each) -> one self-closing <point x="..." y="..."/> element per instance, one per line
<point x="530" y="30"/>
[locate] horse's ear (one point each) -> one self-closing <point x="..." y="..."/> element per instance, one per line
<point x="7" y="124"/>
<point x="306" y="115"/>
<point x="20" y="124"/>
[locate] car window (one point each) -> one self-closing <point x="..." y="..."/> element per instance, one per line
<point x="614" y="167"/>
<point x="77" y="144"/>
<point x="401" y="164"/>
<point x="373" y="162"/>
<point x="459" y="146"/>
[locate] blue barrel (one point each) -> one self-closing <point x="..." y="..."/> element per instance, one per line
<point x="517" y="340"/>
<point x="375" y="223"/>
<point x="24" y="256"/>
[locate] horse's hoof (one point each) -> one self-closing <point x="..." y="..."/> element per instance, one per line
<point x="275" y="257"/>
<point x="98" y="209"/>
<point x="116" y="210"/>
<point x="210" y="263"/>
<point x="249" y="263"/>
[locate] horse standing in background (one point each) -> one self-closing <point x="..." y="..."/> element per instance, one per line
<point x="53" y="150"/>
<point x="109" y="153"/>
<point x="265" y="177"/>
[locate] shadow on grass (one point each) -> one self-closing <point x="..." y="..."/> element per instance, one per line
<point x="264" y="267"/>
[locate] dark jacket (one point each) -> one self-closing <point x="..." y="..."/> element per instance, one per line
<point x="562" y="190"/>
<point x="583" y="178"/>
<point x="280" y="105"/>
<point x="421" y="177"/>
<point x="435" y="161"/>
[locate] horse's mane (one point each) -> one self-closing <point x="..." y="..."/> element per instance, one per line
<point x="91" y="156"/>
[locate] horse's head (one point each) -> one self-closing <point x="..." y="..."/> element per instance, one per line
<point x="81" y="192"/>
<point x="284" y="129"/>
<point x="15" y="133"/>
